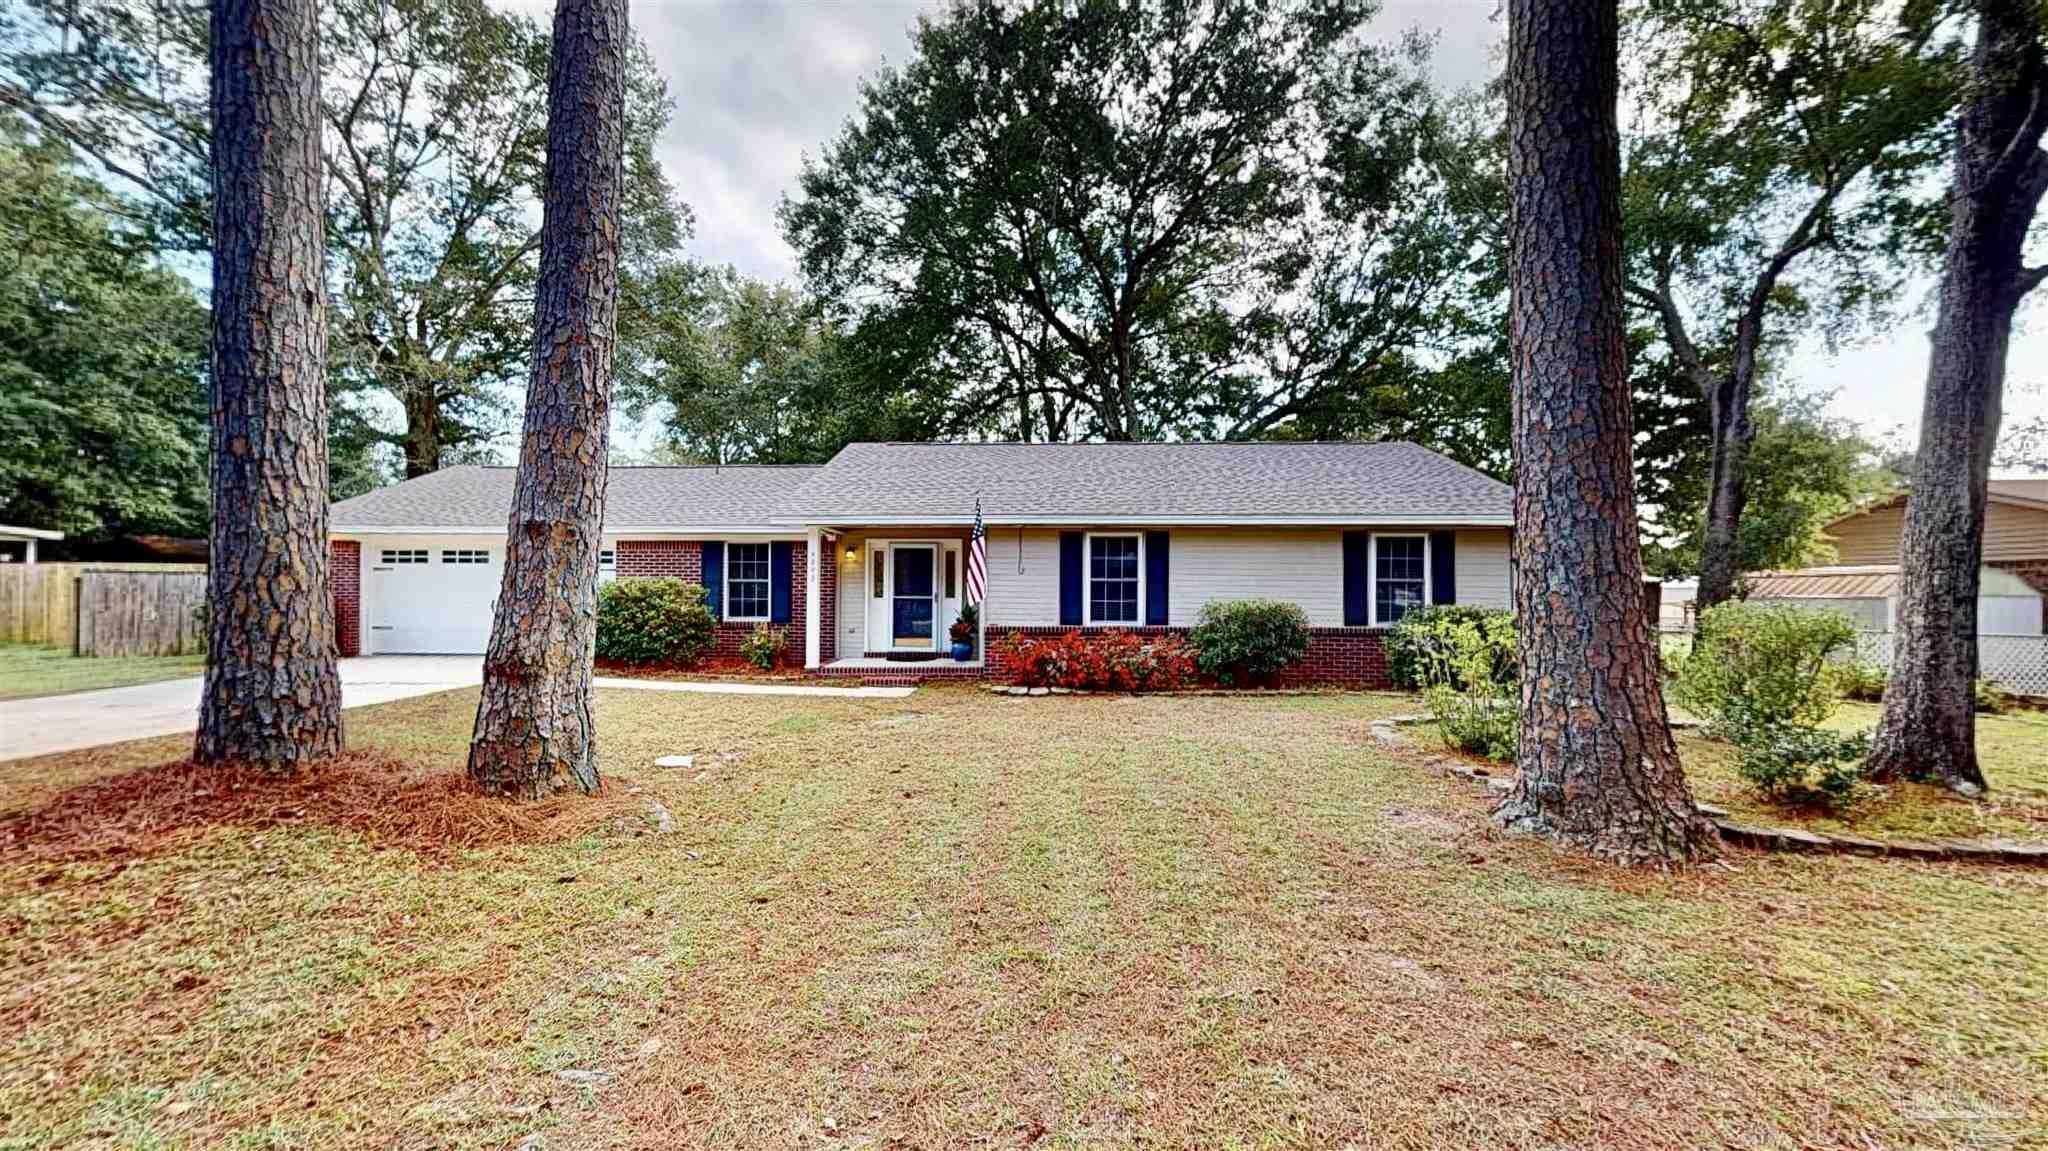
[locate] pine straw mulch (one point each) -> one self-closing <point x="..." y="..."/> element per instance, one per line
<point x="385" y="799"/>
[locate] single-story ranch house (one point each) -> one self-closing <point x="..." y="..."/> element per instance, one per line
<point x="863" y="558"/>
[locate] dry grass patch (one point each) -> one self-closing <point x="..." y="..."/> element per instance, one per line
<point x="965" y="920"/>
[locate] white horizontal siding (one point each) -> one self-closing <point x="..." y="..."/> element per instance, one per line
<point x="1301" y="565"/>
<point x="1481" y="568"/>
<point x="1305" y="567"/>
<point x="1023" y="577"/>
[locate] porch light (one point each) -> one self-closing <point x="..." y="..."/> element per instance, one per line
<point x="851" y="554"/>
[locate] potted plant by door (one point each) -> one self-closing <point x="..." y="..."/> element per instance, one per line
<point x="963" y="630"/>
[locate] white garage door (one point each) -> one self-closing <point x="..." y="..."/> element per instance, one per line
<point x="432" y="600"/>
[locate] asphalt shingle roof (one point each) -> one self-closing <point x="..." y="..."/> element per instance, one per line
<point x="638" y="498"/>
<point x="1167" y="482"/>
<point x="1017" y="483"/>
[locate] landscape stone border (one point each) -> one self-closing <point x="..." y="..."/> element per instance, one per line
<point x="1767" y="838"/>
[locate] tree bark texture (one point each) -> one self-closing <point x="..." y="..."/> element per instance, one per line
<point x="1598" y="767"/>
<point x="422" y="431"/>
<point x="1720" y="542"/>
<point x="1928" y="729"/>
<point x="272" y="696"/>
<point x="534" y="733"/>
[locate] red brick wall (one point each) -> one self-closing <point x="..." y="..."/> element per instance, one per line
<point x="684" y="559"/>
<point x="345" y="563"/>
<point x="1337" y="656"/>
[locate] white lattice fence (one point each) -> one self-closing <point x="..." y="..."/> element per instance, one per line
<point x="2018" y="663"/>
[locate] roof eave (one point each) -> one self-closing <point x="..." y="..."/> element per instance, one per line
<point x="1181" y="520"/>
<point x="684" y="531"/>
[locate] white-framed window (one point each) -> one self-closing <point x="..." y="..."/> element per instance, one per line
<point x="746" y="581"/>
<point x="1115" y="585"/>
<point x="403" y="556"/>
<point x="465" y="556"/>
<point x="1400" y="576"/>
<point x="607" y="565"/>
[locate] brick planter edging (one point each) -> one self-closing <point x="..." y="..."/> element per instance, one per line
<point x="1799" y="839"/>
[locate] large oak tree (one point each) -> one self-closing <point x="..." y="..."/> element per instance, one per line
<point x="534" y="731"/>
<point x="1772" y="185"/>
<point x="434" y="114"/>
<point x="272" y="696"/>
<point x="1133" y="220"/>
<point x="1928" y="729"/>
<point x="1597" y="764"/>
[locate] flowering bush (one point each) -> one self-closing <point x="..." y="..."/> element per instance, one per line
<point x="1102" y="661"/>
<point x="763" y="645"/>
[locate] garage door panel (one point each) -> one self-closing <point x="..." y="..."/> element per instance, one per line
<point x="432" y="600"/>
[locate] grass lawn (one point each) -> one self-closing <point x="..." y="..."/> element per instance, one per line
<point x="28" y="670"/>
<point x="967" y="920"/>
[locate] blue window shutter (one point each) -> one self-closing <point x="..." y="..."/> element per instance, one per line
<point x="1070" y="578"/>
<point x="1357" y="579"/>
<point x="714" y="578"/>
<point x="1155" y="578"/>
<point x="1443" y="567"/>
<point x="778" y="581"/>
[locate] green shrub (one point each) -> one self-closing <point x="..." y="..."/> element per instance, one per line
<point x="1483" y="722"/>
<point x="1858" y="680"/>
<point x="1796" y="762"/>
<point x="1767" y="663"/>
<point x="1987" y="697"/>
<point x="1466" y="663"/>
<point x="1422" y="632"/>
<point x="763" y="646"/>
<point x="1249" y="640"/>
<point x="653" y="621"/>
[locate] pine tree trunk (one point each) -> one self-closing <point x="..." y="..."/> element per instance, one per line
<point x="272" y="697"/>
<point x="1598" y="767"/>
<point x="1928" y="729"/>
<point x="534" y="732"/>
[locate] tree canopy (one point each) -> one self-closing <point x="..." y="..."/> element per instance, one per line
<point x="1134" y="221"/>
<point x="102" y="361"/>
<point x="434" y="113"/>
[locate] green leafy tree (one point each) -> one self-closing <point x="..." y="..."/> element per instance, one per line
<point x="1774" y="178"/>
<point x="1805" y="470"/>
<point x="749" y="372"/>
<point x="1128" y="221"/>
<point x="102" y="361"/>
<point x="434" y="127"/>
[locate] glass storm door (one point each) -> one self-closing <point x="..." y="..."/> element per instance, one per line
<point x="913" y="608"/>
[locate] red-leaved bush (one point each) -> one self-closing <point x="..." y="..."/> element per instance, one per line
<point x="1102" y="661"/>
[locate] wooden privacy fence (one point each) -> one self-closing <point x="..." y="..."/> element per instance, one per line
<point x="141" y="613"/>
<point x="39" y="602"/>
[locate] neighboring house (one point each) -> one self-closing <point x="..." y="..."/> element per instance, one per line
<point x="863" y="558"/>
<point x="1869" y="595"/>
<point x="2015" y="531"/>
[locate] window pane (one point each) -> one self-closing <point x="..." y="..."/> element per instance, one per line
<point x="746" y="581"/>
<point x="1113" y="579"/>
<point x="1398" y="571"/>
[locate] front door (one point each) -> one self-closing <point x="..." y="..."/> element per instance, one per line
<point x="913" y="600"/>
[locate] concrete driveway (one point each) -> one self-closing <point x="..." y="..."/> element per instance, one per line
<point x="167" y="707"/>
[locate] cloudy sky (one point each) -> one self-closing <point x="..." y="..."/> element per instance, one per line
<point x="759" y="83"/>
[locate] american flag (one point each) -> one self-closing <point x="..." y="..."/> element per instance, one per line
<point x="977" y="558"/>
